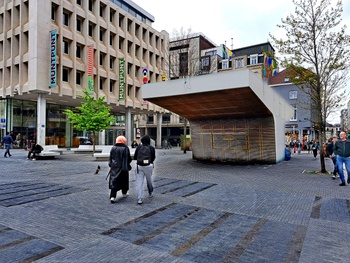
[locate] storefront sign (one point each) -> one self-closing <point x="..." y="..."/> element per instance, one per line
<point x="90" y="69"/>
<point x="121" y="78"/>
<point x="53" y="52"/>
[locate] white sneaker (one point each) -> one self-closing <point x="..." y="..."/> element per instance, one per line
<point x="112" y="200"/>
<point x="150" y="195"/>
<point x="33" y="159"/>
<point x="126" y="195"/>
<point x="140" y="201"/>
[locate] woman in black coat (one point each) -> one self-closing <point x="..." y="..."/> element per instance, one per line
<point x="119" y="162"/>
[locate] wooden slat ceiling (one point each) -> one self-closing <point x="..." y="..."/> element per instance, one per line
<point x="221" y="104"/>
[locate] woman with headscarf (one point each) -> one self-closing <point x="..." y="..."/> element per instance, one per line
<point x="119" y="176"/>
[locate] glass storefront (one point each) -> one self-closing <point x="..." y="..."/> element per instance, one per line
<point x="20" y="117"/>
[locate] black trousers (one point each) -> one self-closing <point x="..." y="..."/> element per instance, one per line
<point x="114" y="193"/>
<point x="30" y="153"/>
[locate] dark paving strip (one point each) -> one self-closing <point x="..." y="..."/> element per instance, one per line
<point x="28" y="251"/>
<point x="41" y="255"/>
<point x="177" y="188"/>
<point x="176" y="185"/>
<point x="4" y="229"/>
<point x="296" y="245"/>
<point x="166" y="226"/>
<point x="18" y="184"/>
<point x="348" y="205"/>
<point x="24" y="188"/>
<point x="115" y="229"/>
<point x="180" y="250"/>
<point x="166" y="183"/>
<point x="14" y="243"/>
<point x="38" y="196"/>
<point x="199" y="190"/>
<point x="160" y="179"/>
<point x="316" y="208"/>
<point x="31" y="192"/>
<point x="234" y="254"/>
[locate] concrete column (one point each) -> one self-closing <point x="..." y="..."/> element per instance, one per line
<point x="128" y="126"/>
<point x="159" y="130"/>
<point x="41" y="122"/>
<point x="102" y="137"/>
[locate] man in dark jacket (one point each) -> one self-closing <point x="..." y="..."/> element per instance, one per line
<point x="342" y="151"/>
<point x="34" y="149"/>
<point x="6" y="142"/>
<point x="144" y="167"/>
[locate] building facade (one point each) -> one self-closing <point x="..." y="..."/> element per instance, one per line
<point x="300" y="126"/>
<point x="50" y="50"/>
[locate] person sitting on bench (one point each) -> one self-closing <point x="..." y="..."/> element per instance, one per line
<point x="34" y="149"/>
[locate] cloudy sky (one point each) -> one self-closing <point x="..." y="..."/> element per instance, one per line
<point x="238" y="22"/>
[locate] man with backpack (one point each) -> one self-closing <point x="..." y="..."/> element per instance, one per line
<point x="144" y="155"/>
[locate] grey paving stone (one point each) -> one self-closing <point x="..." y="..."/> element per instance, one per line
<point x="59" y="211"/>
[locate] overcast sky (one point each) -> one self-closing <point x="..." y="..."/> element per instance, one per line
<point x="246" y="22"/>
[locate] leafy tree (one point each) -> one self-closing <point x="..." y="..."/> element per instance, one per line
<point x="93" y="115"/>
<point x="317" y="53"/>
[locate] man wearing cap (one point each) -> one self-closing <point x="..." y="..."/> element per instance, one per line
<point x="342" y="151"/>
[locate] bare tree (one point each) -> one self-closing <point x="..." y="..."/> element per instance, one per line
<point x="318" y="56"/>
<point x="185" y="58"/>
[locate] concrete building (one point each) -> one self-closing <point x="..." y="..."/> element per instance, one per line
<point x="235" y="116"/>
<point x="301" y="125"/>
<point x="50" y="50"/>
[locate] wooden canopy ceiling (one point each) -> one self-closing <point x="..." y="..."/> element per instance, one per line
<point x="221" y="104"/>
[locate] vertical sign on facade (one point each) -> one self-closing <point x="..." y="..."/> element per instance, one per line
<point x="121" y="78"/>
<point x="145" y="78"/>
<point x="90" y="69"/>
<point x="53" y="63"/>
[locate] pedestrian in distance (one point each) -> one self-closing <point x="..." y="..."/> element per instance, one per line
<point x="7" y="141"/>
<point x="298" y="145"/>
<point x="330" y="154"/>
<point x="119" y="163"/>
<point x="144" y="155"/>
<point x="315" y="148"/>
<point x="134" y="144"/>
<point x="342" y="151"/>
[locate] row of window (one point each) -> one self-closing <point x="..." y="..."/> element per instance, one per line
<point x="132" y="11"/>
<point x="239" y="62"/>
<point x="66" y="18"/>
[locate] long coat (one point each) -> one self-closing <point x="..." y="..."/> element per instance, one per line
<point x="118" y="179"/>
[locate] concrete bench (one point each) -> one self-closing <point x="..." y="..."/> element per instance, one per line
<point x="53" y="148"/>
<point x="87" y="149"/>
<point x="104" y="155"/>
<point x="46" y="153"/>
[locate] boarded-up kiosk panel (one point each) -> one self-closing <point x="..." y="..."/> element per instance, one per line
<point x="234" y="140"/>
